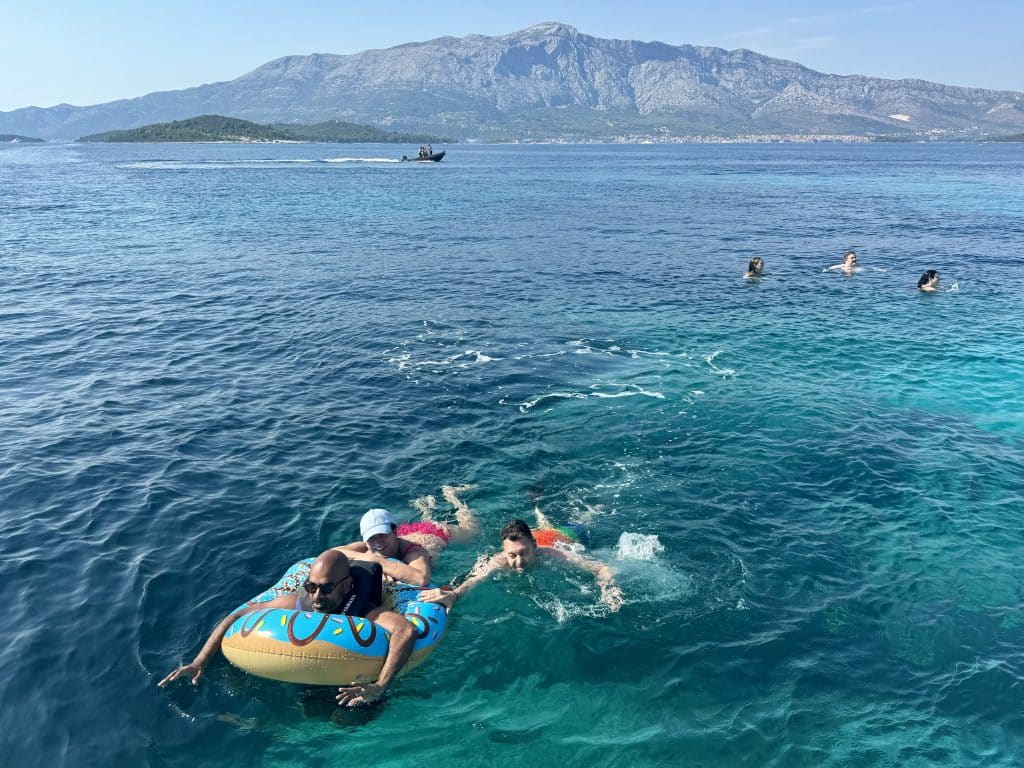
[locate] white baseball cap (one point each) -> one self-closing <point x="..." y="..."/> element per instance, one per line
<point x="375" y="521"/>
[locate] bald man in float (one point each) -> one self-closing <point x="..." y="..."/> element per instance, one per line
<point x="328" y="589"/>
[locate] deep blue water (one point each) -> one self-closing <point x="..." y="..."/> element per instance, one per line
<point x="216" y="357"/>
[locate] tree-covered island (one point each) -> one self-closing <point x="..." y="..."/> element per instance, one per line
<point x="218" y="128"/>
<point x="13" y="138"/>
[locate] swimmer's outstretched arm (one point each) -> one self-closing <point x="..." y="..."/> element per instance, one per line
<point x="611" y="595"/>
<point x="197" y="666"/>
<point x="483" y="568"/>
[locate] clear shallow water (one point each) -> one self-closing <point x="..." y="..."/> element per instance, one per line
<point x="215" y="358"/>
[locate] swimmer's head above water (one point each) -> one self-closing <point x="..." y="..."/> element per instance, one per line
<point x="928" y="281"/>
<point x="518" y="545"/>
<point x="378" y="531"/>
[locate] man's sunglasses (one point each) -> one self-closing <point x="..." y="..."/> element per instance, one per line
<point x="326" y="588"/>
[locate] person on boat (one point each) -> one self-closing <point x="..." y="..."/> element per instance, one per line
<point x="849" y="265"/>
<point x="520" y="549"/>
<point x="423" y="152"/>
<point x="754" y="268"/>
<point x="929" y="281"/>
<point x="406" y="552"/>
<point x="330" y="588"/>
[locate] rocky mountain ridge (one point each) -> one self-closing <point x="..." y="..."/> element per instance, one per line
<point x="550" y="82"/>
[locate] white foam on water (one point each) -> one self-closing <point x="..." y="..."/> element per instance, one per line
<point x="572" y="547"/>
<point x="637" y="353"/>
<point x="633" y="389"/>
<point x="641" y="573"/>
<point x="630" y="472"/>
<point x="361" y="160"/>
<point x="562" y="610"/>
<point x="539" y="355"/>
<point x="457" y="361"/>
<point x="710" y="360"/>
<point x="529" y="404"/>
<point x="279" y="161"/>
<point x="584" y="513"/>
<point x="639" y="546"/>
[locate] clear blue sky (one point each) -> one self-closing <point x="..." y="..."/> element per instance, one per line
<point x="87" y="53"/>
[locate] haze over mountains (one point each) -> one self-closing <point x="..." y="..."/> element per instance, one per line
<point x="549" y="82"/>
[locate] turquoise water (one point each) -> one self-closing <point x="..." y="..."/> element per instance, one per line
<point x="215" y="358"/>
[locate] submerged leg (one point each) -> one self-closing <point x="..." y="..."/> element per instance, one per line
<point x="425" y="505"/>
<point x="542" y="520"/>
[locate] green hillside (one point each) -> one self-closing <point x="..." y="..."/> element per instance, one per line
<point x="13" y="138"/>
<point x="219" y="128"/>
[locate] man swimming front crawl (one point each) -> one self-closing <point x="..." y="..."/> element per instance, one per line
<point x="519" y="551"/>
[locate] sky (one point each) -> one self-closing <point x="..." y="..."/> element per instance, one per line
<point x="70" y="51"/>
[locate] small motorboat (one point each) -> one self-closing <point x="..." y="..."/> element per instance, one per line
<point x="425" y="157"/>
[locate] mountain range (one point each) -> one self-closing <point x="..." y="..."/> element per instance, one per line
<point x="550" y="82"/>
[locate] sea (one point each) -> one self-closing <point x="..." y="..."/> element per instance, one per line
<point x="810" y="486"/>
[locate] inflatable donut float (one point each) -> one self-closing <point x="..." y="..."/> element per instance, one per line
<point x="325" y="649"/>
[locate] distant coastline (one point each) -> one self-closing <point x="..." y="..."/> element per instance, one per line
<point x="13" y="138"/>
<point x="217" y="128"/>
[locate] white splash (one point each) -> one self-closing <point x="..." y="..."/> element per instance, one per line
<point x="639" y="546"/>
<point x="361" y="160"/>
<point x="710" y="360"/>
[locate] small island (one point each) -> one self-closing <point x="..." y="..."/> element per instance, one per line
<point x="13" y="138"/>
<point x="216" y="128"/>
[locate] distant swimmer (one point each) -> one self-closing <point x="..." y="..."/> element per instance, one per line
<point x="754" y="268"/>
<point x="849" y="265"/>
<point x="520" y="549"/>
<point x="929" y="281"/>
<point x="406" y="552"/>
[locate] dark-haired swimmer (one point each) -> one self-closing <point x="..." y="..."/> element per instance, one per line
<point x="754" y="268"/>
<point x="849" y="265"/>
<point x="329" y="588"/>
<point x="519" y="551"/>
<point x="929" y="281"/>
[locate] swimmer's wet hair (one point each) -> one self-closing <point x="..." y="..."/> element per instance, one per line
<point x="517" y="530"/>
<point x="928" y="275"/>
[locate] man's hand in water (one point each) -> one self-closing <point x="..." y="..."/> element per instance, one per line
<point x="445" y="597"/>
<point x="194" y="670"/>
<point x="354" y="695"/>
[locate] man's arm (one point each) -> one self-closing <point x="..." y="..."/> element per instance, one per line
<point x="483" y="568"/>
<point x="416" y="570"/>
<point x="355" y="546"/>
<point x="399" y="650"/>
<point x="611" y="595"/>
<point x="197" y="666"/>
